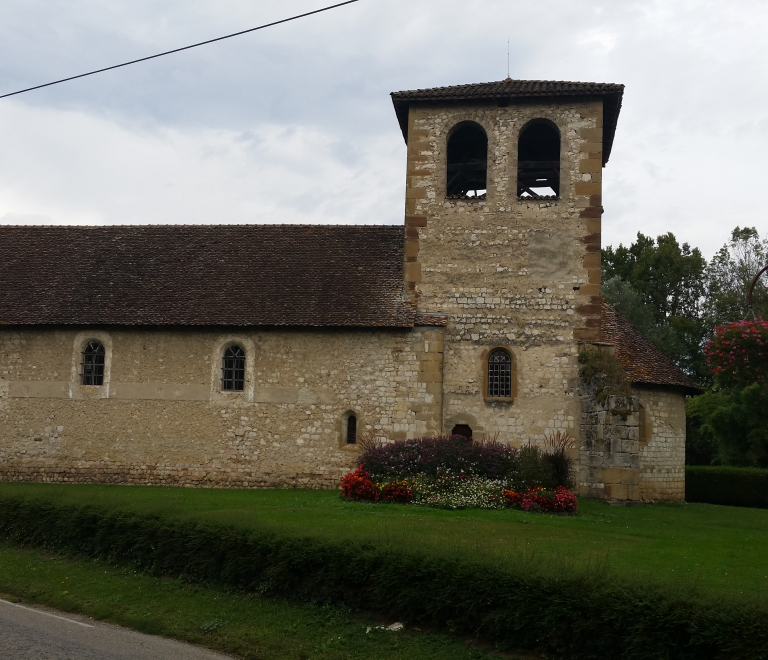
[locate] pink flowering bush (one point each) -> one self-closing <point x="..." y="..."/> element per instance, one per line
<point x="738" y="353"/>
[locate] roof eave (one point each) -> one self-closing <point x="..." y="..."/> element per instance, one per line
<point x="611" y="110"/>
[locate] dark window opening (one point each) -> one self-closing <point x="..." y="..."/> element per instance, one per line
<point x="538" y="161"/>
<point x="467" y="162"/>
<point x="351" y="430"/>
<point x="462" y="431"/>
<point x="93" y="364"/>
<point x="233" y="370"/>
<point x="500" y="374"/>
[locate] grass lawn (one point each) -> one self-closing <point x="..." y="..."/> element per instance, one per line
<point x="246" y="626"/>
<point x="717" y="548"/>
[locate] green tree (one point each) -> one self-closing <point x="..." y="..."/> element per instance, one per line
<point x="728" y="427"/>
<point x="668" y="276"/>
<point x="659" y="286"/>
<point x="730" y="274"/>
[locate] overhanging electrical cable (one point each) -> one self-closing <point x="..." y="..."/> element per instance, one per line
<point x="178" y="50"/>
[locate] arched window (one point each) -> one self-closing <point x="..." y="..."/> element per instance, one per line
<point x="463" y="431"/>
<point x="93" y="363"/>
<point x="538" y="160"/>
<point x="233" y="369"/>
<point x="467" y="161"/>
<point x="351" y="429"/>
<point x="499" y="374"/>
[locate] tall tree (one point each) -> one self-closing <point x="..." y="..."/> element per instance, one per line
<point x="659" y="285"/>
<point x="730" y="274"/>
<point x="669" y="277"/>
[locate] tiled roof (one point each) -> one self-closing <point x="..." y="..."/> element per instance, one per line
<point x="507" y="90"/>
<point x="644" y="363"/>
<point x="289" y="275"/>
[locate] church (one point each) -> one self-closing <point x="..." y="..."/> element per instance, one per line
<point x="258" y="356"/>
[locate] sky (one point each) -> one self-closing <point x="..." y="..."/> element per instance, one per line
<point x="294" y="124"/>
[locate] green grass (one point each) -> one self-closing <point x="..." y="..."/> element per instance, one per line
<point x="717" y="548"/>
<point x="248" y="626"/>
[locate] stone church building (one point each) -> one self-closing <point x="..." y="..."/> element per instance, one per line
<point x="244" y="356"/>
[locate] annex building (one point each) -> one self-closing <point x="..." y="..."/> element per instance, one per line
<point x="246" y="356"/>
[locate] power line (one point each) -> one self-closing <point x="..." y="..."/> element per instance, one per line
<point x="177" y="50"/>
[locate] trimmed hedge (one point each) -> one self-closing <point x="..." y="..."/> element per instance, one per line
<point x="566" y="615"/>
<point x="727" y="485"/>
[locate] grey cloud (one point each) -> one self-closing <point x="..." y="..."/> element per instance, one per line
<point x="264" y="127"/>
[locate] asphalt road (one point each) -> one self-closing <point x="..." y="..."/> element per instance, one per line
<point x="28" y="633"/>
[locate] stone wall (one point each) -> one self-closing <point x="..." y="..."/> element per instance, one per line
<point x="161" y="418"/>
<point x="521" y="274"/>
<point x="609" y="457"/>
<point x="662" y="443"/>
<point x="633" y="448"/>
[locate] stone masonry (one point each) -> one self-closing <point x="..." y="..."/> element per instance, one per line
<point x="522" y="274"/>
<point x="405" y="352"/>
<point x="160" y="418"/>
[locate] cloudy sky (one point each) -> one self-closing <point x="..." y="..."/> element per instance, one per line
<point x="294" y="123"/>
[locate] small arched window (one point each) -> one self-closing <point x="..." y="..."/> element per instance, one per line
<point x="499" y="374"/>
<point x="538" y="160"/>
<point x="92" y="366"/>
<point x="462" y="431"/>
<point x="351" y="430"/>
<point x="233" y="369"/>
<point x="467" y="161"/>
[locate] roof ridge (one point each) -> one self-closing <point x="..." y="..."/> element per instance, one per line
<point x="200" y="226"/>
<point x="512" y="82"/>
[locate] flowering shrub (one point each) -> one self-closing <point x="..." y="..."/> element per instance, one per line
<point x="738" y="353"/>
<point x="442" y="455"/>
<point x="450" y="491"/>
<point x="357" y="485"/>
<point x="537" y="498"/>
<point x="454" y="473"/>
<point x="396" y="491"/>
<point x="459" y="492"/>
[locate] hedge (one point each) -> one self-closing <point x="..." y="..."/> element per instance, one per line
<point x="568" y="615"/>
<point x="727" y="485"/>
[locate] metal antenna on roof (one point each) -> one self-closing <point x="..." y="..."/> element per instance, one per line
<point x="508" y="78"/>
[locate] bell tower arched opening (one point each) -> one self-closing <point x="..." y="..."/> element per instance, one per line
<point x="467" y="162"/>
<point x="538" y="160"/>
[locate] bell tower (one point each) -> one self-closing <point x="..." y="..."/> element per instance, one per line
<point x="502" y="218"/>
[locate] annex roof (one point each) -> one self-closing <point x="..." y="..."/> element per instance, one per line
<point x="644" y="363"/>
<point x="237" y="275"/>
<point x="508" y="91"/>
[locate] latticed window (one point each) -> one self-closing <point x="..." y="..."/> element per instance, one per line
<point x="93" y="363"/>
<point x="500" y="374"/>
<point x="233" y="369"/>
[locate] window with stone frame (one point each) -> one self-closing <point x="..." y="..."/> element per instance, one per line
<point x="351" y="429"/>
<point x="499" y="374"/>
<point x="233" y="369"/>
<point x="92" y="364"/>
